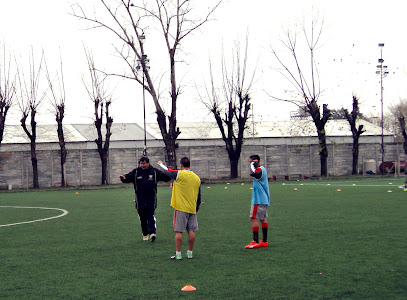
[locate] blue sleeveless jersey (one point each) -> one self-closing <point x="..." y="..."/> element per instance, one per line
<point x="261" y="192"/>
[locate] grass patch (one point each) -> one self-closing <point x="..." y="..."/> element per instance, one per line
<point x="324" y="244"/>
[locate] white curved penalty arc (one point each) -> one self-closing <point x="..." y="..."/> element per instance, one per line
<point x="64" y="213"/>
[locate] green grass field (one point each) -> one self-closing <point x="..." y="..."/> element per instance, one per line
<point x="324" y="244"/>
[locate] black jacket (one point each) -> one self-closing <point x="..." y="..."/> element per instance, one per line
<point x="145" y="185"/>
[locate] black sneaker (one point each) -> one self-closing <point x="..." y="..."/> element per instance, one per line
<point x="152" y="237"/>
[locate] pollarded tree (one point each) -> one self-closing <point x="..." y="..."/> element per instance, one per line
<point x="352" y="118"/>
<point x="57" y="88"/>
<point x="175" y="20"/>
<point x="230" y="104"/>
<point x="398" y="115"/>
<point x="7" y="89"/>
<point x="102" y="100"/>
<point x="302" y="73"/>
<point x="29" y="102"/>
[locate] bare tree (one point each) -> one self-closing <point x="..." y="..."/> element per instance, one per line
<point x="57" y="88"/>
<point x="304" y="77"/>
<point x="7" y="90"/>
<point x="29" y="103"/>
<point x="175" y="20"/>
<point x="231" y="105"/>
<point x="102" y="100"/>
<point x="356" y="132"/>
<point x="398" y="114"/>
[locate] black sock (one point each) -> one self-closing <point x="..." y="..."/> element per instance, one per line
<point x="256" y="236"/>
<point x="264" y="229"/>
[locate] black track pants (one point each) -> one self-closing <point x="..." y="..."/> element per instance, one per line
<point x="147" y="220"/>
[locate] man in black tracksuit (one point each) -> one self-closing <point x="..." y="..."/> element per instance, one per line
<point x="145" y="179"/>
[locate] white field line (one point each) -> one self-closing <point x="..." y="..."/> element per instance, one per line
<point x="336" y="184"/>
<point x="64" y="213"/>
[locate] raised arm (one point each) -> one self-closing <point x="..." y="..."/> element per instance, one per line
<point x="129" y="177"/>
<point x="255" y="170"/>
<point x="171" y="173"/>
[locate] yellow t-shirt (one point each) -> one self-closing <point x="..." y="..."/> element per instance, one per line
<point x="185" y="191"/>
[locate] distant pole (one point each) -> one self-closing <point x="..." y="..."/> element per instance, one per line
<point x="382" y="71"/>
<point x="253" y="121"/>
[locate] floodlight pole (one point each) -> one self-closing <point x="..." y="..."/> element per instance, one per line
<point x="142" y="64"/>
<point x="382" y="71"/>
<point x="144" y="116"/>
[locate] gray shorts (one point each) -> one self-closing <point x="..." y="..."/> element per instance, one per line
<point x="258" y="211"/>
<point x="185" y="221"/>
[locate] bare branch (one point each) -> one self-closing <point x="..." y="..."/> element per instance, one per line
<point x="7" y="89"/>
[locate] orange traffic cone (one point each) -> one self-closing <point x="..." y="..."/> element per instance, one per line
<point x="171" y="185"/>
<point x="188" y="288"/>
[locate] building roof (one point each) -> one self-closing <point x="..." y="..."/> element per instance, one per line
<point x="274" y="129"/>
<point x="14" y="134"/>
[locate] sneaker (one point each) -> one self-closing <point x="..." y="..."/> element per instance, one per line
<point x="264" y="244"/>
<point x="177" y="257"/>
<point x="189" y="255"/>
<point x="152" y="237"/>
<point x="145" y="237"/>
<point x="252" y="245"/>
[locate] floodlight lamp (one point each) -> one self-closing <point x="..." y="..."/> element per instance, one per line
<point x="381" y="45"/>
<point x="381" y="60"/>
<point x="142" y="38"/>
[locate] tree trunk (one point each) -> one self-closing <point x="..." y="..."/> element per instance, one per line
<point x="323" y="155"/>
<point x="355" y="156"/>
<point x="170" y="149"/>
<point x="104" y="158"/>
<point x="63" y="163"/>
<point x="324" y="165"/>
<point x="234" y="163"/>
<point x="169" y="137"/>
<point x="62" y="151"/>
<point x="34" y="163"/>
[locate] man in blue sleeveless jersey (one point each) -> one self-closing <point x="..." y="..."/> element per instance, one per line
<point x="260" y="202"/>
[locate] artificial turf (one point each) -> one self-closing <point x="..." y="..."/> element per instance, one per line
<point x="328" y="240"/>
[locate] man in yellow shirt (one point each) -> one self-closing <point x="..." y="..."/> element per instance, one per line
<point x="186" y="199"/>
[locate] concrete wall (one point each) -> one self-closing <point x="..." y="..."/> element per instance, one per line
<point x="208" y="161"/>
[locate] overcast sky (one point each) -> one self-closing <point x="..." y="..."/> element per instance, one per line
<point x="348" y="57"/>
